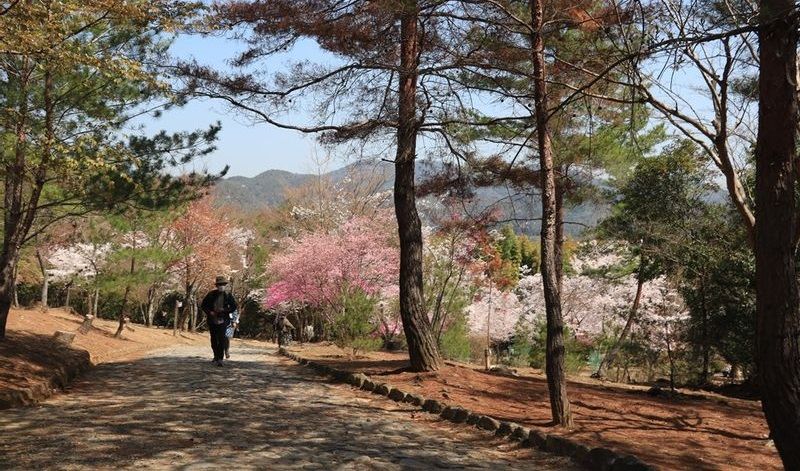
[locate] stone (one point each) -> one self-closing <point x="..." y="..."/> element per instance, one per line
<point x="473" y="419"/>
<point x="64" y="336"/>
<point x="602" y="459"/>
<point x="414" y="399"/>
<point x="447" y="413"/>
<point x="582" y="454"/>
<point x="488" y="423"/>
<point x="396" y="395"/>
<point x="460" y="415"/>
<point x="382" y="389"/>
<point x="630" y="463"/>
<point x="536" y="439"/>
<point x="357" y="379"/>
<point x="433" y="406"/>
<point x="504" y="429"/>
<point x="560" y="445"/>
<point x="520" y="433"/>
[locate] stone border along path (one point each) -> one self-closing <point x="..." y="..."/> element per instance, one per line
<point x="599" y="458"/>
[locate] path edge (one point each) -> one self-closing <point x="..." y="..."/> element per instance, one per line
<point x="592" y="458"/>
<point x="73" y="365"/>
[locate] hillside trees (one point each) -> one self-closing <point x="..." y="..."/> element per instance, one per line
<point x="73" y="74"/>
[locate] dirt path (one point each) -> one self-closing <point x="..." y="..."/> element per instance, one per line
<point x="175" y="410"/>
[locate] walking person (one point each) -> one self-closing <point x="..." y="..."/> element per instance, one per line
<point x="218" y="305"/>
<point x="229" y="333"/>
<point x="283" y="328"/>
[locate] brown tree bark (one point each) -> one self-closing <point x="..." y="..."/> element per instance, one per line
<point x="123" y="314"/>
<point x="778" y="319"/>
<point x="45" y="279"/>
<point x="555" y="353"/>
<point x="422" y="349"/>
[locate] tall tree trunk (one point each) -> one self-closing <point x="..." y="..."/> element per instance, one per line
<point x="422" y="349"/>
<point x="778" y="319"/>
<point x="13" y="211"/>
<point x="45" y="279"/>
<point x="175" y="318"/>
<point x="614" y="351"/>
<point x="554" y="355"/>
<point x="123" y="314"/>
<point x="96" y="307"/>
<point x="14" y="289"/>
<point x="705" y="345"/>
<point x="558" y="250"/>
<point x="151" y="306"/>
<point x="69" y="292"/>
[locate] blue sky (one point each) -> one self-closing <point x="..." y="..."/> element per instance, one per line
<point x="248" y="149"/>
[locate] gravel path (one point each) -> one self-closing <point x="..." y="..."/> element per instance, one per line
<point x="175" y="410"/>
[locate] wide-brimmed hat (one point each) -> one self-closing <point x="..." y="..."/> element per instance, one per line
<point x="221" y="280"/>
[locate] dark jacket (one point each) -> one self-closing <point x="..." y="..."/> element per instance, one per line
<point x="217" y="317"/>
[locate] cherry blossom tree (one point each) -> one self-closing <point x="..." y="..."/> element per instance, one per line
<point x="316" y="268"/>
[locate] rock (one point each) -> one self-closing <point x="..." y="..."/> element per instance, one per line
<point x="64" y="336"/>
<point x="488" y="423"/>
<point x="602" y="459"/>
<point x="357" y="380"/>
<point x="520" y="433"/>
<point x="447" y="413"/>
<point x="504" y="429"/>
<point x="536" y="439"/>
<point x="368" y="385"/>
<point x="630" y="463"/>
<point x="473" y="419"/>
<point x="582" y="454"/>
<point x="557" y="445"/>
<point x="340" y="375"/>
<point x="382" y="389"/>
<point x="460" y="415"/>
<point x="433" y="406"/>
<point x="414" y="399"/>
<point x="396" y="395"/>
<point x="504" y="370"/>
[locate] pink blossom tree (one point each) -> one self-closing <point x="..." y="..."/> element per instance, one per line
<point x="318" y="268"/>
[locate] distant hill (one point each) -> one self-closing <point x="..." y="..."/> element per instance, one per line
<point x="268" y="189"/>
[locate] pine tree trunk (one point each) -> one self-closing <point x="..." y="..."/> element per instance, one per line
<point x="778" y="318"/>
<point x="422" y="349"/>
<point x="555" y="353"/>
<point x="14" y="290"/>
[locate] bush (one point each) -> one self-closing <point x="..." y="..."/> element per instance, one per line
<point x="354" y="326"/>
<point x="455" y="343"/>
<point x="529" y="344"/>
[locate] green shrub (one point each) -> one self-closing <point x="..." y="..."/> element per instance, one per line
<point x="454" y="343"/>
<point x="354" y="326"/>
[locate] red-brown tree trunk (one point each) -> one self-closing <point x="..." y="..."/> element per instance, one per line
<point x="778" y="319"/>
<point x="555" y="353"/>
<point x="422" y="348"/>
